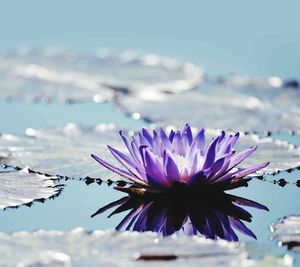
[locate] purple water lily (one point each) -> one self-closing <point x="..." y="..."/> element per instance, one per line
<point x="160" y="162"/>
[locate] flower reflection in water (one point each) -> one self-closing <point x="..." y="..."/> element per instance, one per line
<point x="215" y="215"/>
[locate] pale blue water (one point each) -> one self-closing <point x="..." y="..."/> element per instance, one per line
<point x="79" y="201"/>
<point x="16" y="117"/>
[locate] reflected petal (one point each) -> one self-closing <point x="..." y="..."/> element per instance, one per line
<point x="213" y="215"/>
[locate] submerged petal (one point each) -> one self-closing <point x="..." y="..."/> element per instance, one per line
<point x="237" y="224"/>
<point x="247" y="202"/>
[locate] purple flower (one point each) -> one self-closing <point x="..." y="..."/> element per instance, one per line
<point x="159" y="162"/>
<point x="213" y="215"/>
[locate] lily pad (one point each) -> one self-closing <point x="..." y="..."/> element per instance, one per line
<point x="287" y="232"/>
<point x="60" y="151"/>
<point x="66" y="151"/>
<point x="282" y="155"/>
<point x="99" y="248"/>
<point x="23" y="187"/>
<point x="222" y="107"/>
<point x="68" y="76"/>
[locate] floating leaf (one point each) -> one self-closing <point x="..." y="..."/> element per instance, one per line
<point x="63" y="151"/>
<point x="282" y="155"/>
<point x="22" y="187"/>
<point x="216" y="106"/>
<point x="100" y="248"/>
<point x="287" y="179"/>
<point x="66" y="151"/>
<point x="287" y="232"/>
<point x="67" y="76"/>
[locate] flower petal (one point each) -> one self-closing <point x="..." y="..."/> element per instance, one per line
<point x="140" y="224"/>
<point x="199" y="139"/>
<point x="128" y="218"/>
<point x="171" y="135"/>
<point x="237" y="159"/>
<point x="250" y="170"/>
<point x="237" y="224"/>
<point x="247" y="202"/>
<point x="157" y="144"/>
<point x="224" y="169"/>
<point x="197" y="179"/>
<point x="187" y="132"/>
<point x="130" y="149"/>
<point x="122" y="173"/>
<point x="216" y="167"/>
<point x="147" y="136"/>
<point x="154" y="171"/>
<point x="210" y="154"/>
<point x="135" y="152"/>
<point x="242" y="173"/>
<point x="110" y="205"/>
<point x="165" y="139"/>
<point x="177" y="144"/>
<point x="227" y="144"/>
<point x="125" y="161"/>
<point x="143" y="140"/>
<point x="170" y="168"/>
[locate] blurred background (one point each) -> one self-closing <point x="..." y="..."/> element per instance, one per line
<point x="244" y="37"/>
